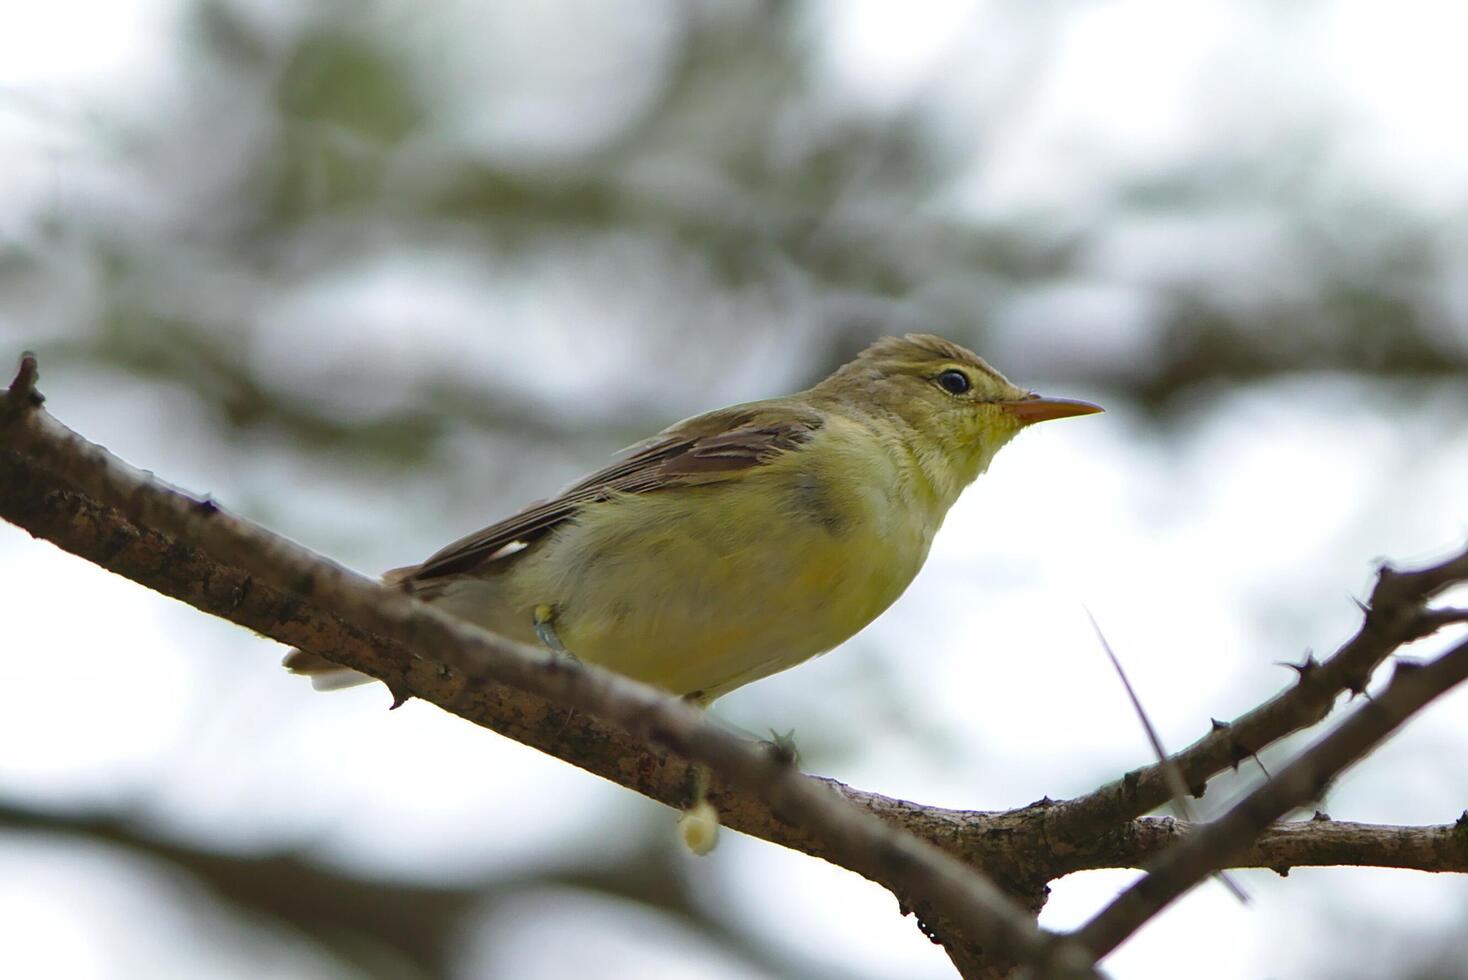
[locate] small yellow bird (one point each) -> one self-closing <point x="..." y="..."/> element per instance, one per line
<point x="738" y="543"/>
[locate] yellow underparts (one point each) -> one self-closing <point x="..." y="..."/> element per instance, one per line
<point x="700" y="589"/>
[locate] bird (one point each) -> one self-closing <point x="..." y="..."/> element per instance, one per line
<point x="741" y="542"/>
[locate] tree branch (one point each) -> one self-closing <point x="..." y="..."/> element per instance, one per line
<point x="58" y="485"/>
<point x="1396" y="615"/>
<point x="1178" y="869"/>
<point x="1319" y="842"/>
<point x="63" y="488"/>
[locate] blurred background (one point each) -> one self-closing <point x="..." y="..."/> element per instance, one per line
<point x="377" y="273"/>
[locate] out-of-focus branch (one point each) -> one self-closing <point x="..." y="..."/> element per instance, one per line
<point x="414" y="922"/>
<point x="393" y="928"/>
<point x="1396" y="615"/>
<point x="1413" y="687"/>
<point x="58" y="485"/>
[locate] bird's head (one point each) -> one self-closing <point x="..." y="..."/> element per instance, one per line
<point x="955" y="409"/>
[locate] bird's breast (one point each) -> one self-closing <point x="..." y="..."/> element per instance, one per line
<point x="704" y="588"/>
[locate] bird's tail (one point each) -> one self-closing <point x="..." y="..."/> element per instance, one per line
<point x="326" y="675"/>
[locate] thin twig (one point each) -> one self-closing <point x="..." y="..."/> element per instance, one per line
<point x="1413" y="686"/>
<point x="1397" y="615"/>
<point x="1316" y="843"/>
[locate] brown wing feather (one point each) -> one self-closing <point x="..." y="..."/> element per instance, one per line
<point x="698" y="450"/>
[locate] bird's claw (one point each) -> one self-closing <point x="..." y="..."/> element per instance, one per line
<point x="544" y="618"/>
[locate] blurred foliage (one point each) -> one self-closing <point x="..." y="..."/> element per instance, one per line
<point x="338" y="134"/>
<point x="394" y="930"/>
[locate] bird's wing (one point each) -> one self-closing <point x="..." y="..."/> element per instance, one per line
<point x="703" y="449"/>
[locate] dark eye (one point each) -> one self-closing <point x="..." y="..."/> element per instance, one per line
<point x="954" y="382"/>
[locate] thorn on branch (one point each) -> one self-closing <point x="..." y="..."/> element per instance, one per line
<point x="206" y="506"/>
<point x="1283" y="870"/>
<point x="1238" y="752"/>
<point x="1219" y="726"/>
<point x="22" y="393"/>
<point x="781" y="747"/>
<point x="400" y="696"/>
<point x="1322" y="817"/>
<point x="1304" y="668"/>
<point x="1462" y="825"/>
<point x="1170" y="769"/>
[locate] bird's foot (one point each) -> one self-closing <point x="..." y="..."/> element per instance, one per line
<point x="544" y="619"/>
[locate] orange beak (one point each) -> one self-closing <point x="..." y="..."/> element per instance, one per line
<point x="1037" y="409"/>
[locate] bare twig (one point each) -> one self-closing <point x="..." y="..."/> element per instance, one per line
<point x="1412" y="687"/>
<point x="1315" y="843"/>
<point x="1396" y="615"/>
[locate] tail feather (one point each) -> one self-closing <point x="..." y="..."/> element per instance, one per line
<point x="328" y="676"/>
<point x="325" y="675"/>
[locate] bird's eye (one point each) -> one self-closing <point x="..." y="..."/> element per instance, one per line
<point x="954" y="382"/>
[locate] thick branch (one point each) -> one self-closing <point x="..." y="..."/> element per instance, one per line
<point x="1413" y="687"/>
<point x="58" y="485"/>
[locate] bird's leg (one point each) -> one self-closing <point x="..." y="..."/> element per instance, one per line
<point x="782" y="746"/>
<point x="544" y="618"/>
